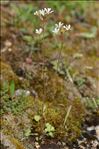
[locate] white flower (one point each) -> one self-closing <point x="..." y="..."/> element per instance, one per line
<point x="67" y="27"/>
<point x="59" y="25"/>
<point x="36" y="13"/>
<point x="48" y="10"/>
<point x="56" y="30"/>
<point x="41" y="13"/>
<point x="39" y="31"/>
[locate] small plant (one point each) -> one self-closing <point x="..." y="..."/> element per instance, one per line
<point x="49" y="130"/>
<point x="27" y="132"/>
<point x="43" y="12"/>
<point x="12" y="88"/>
<point x="8" y="89"/>
<point x="57" y="30"/>
<point x="80" y="81"/>
<point x="37" y="118"/>
<point x="4" y="88"/>
<point x="10" y="102"/>
<point x="24" y="13"/>
<point x="92" y="103"/>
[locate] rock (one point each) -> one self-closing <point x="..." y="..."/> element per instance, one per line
<point x="34" y="93"/>
<point x="37" y="145"/>
<point x="20" y="92"/>
<point x="8" y="43"/>
<point x="9" y="49"/>
<point x="49" y="146"/>
<point x="97" y="131"/>
<point x="10" y="143"/>
<point x="90" y="128"/>
<point x="95" y="144"/>
<point x="6" y="142"/>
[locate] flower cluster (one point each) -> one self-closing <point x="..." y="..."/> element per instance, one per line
<point x="61" y="27"/>
<point x="58" y="28"/>
<point x="67" y="27"/>
<point x="41" y="13"/>
<point x="39" y="31"/>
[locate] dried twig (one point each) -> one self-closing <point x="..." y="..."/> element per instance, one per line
<point x="67" y="114"/>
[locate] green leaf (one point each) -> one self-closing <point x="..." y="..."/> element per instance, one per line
<point x="12" y="88"/>
<point x="27" y="132"/>
<point x="57" y="66"/>
<point x="51" y="134"/>
<point x="49" y="128"/>
<point x="97" y="100"/>
<point x="37" y="118"/>
<point x="28" y="39"/>
<point x="5" y="86"/>
<point x="91" y="34"/>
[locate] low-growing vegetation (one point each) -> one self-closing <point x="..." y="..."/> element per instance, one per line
<point x="49" y="74"/>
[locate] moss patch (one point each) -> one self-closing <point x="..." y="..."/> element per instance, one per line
<point x="8" y="75"/>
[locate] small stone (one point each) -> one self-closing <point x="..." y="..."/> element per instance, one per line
<point x="59" y="143"/>
<point x="20" y="92"/>
<point x="34" y="93"/>
<point x="20" y="78"/>
<point x="97" y="131"/>
<point x="20" y="72"/>
<point x="28" y="60"/>
<point x="63" y="143"/>
<point x="37" y="145"/>
<point x="95" y="144"/>
<point x="90" y="128"/>
<point x="8" y="43"/>
<point x="4" y="49"/>
<point x="9" y="49"/>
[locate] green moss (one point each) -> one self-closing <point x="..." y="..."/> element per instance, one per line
<point x="17" y="143"/>
<point x="52" y="106"/>
<point x="8" y="75"/>
<point x="55" y="115"/>
<point x="49" y="85"/>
